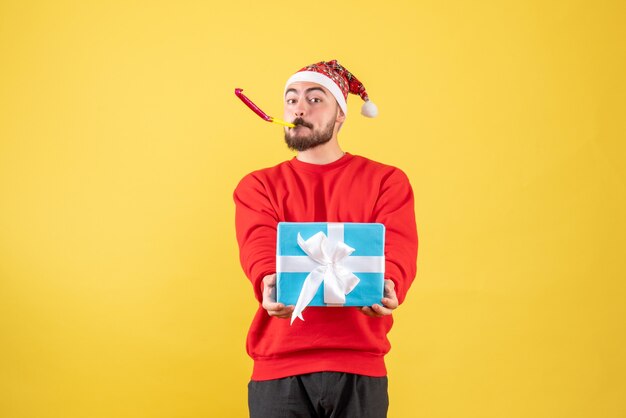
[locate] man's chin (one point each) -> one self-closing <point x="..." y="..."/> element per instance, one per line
<point x="302" y="138"/>
<point x="303" y="147"/>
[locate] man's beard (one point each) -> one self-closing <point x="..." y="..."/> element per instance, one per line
<point x="314" y="139"/>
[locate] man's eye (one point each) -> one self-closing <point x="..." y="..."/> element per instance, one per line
<point x="315" y="100"/>
<point x="291" y="101"/>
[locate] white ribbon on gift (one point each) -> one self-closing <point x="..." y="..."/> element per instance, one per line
<point x="328" y="261"/>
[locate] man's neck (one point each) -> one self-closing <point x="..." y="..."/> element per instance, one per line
<point x="322" y="154"/>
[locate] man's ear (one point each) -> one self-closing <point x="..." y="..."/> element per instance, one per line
<point x="341" y="117"/>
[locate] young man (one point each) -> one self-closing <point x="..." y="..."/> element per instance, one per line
<point x="332" y="364"/>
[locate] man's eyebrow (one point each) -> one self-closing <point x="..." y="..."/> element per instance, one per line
<point x="310" y="89"/>
<point x="315" y="88"/>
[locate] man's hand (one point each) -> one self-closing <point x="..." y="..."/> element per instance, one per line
<point x="390" y="302"/>
<point x="273" y="308"/>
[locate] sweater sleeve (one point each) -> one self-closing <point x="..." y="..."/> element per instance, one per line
<point x="255" y="223"/>
<point x="395" y="209"/>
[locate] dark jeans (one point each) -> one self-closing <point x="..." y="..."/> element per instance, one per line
<point x="317" y="395"/>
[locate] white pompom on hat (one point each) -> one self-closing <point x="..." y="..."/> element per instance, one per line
<point x="338" y="81"/>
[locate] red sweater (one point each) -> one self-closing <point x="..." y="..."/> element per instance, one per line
<point x="351" y="189"/>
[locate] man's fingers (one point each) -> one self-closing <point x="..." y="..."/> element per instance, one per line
<point x="269" y="287"/>
<point x="269" y="305"/>
<point x="381" y="310"/>
<point x="278" y="310"/>
<point x="390" y="288"/>
<point x="369" y="312"/>
<point x="273" y="308"/>
<point x="390" y="300"/>
<point x="269" y="291"/>
<point x="390" y="303"/>
<point x="376" y="310"/>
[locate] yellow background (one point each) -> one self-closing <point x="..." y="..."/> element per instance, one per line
<point x="121" y="142"/>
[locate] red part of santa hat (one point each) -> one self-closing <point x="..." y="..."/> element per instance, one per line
<point x="338" y="81"/>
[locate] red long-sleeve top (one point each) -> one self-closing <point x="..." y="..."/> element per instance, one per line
<point x="351" y="189"/>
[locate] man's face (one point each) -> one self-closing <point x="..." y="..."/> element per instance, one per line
<point x="314" y="111"/>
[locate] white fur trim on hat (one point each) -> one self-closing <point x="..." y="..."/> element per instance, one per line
<point x="321" y="79"/>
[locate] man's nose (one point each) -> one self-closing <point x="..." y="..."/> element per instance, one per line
<point x="299" y="110"/>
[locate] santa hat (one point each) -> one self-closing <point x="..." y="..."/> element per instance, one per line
<point x="338" y="81"/>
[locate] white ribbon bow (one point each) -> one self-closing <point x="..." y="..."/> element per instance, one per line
<point x="338" y="280"/>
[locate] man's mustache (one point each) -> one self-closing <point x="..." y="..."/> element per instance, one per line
<point x="300" y="121"/>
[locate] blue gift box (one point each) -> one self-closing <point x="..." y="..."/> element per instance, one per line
<point x="337" y="253"/>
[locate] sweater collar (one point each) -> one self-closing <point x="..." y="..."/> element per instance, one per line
<point x="321" y="168"/>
